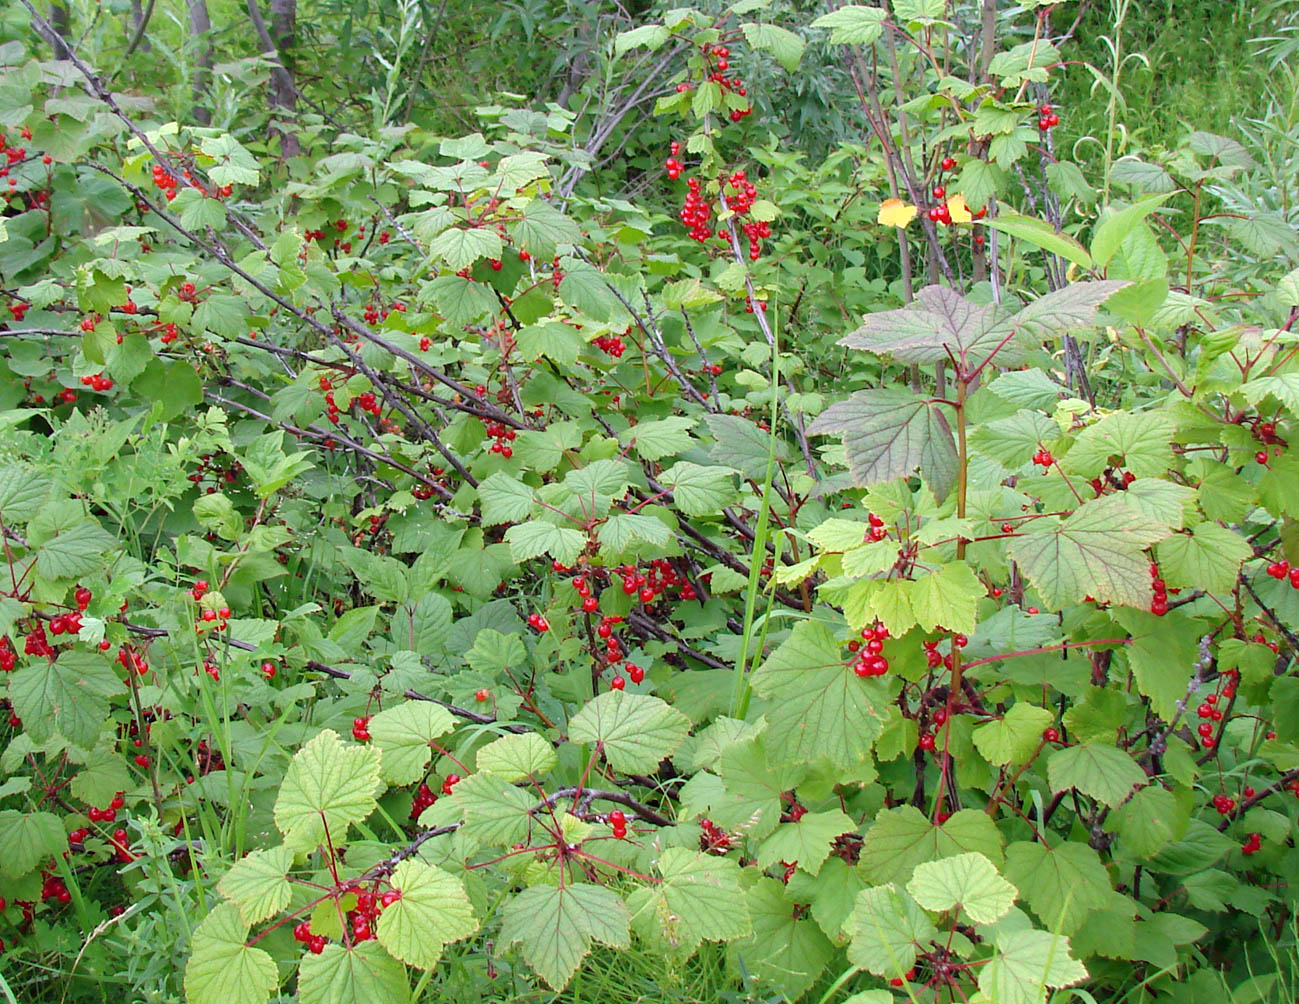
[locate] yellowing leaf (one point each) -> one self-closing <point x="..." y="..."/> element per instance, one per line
<point x="959" y="210"/>
<point x="896" y="213"/>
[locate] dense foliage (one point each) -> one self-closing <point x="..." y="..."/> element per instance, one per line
<point x="603" y="554"/>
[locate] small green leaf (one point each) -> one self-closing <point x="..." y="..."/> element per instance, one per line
<point x="222" y="969"/>
<point x="555" y="926"/>
<point x="967" y="881"/>
<point x="433" y="911"/>
<point x="516" y="757"/>
<point x="1105" y="773"/>
<point x="888" y="930"/>
<point x="27" y="840"/>
<point x="258" y="883"/>
<point x="853" y="24"/>
<point x="1013" y="738"/>
<point x="495" y="811"/>
<point x="363" y="972"/>
<point x="948" y="595"/>
<point x="780" y="42"/>
<point x="1026" y="964"/>
<point x="636" y="731"/>
<point x="405" y="734"/>
<point x="328" y="787"/>
<point x="505" y="499"/>
<point x="807" y="841"/>
<point x="533" y="539"/>
<point x="1208" y="558"/>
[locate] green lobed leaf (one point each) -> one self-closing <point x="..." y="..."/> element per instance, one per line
<point x="806" y="841"/>
<point x="888" y="930"/>
<point x="348" y="975"/>
<point x="1026" y="964"/>
<point x="28" y="840"/>
<point x="405" y="733"/>
<point x="258" y="883"/>
<point x="636" y="731"/>
<point x="328" y="787"/>
<point x="555" y="926"/>
<point x="1106" y="773"/>
<point x="902" y="838"/>
<point x="433" y="911"/>
<point x="1013" y="738"/>
<point x="516" y="757"/>
<point x="68" y="697"/>
<point x="966" y="881"/>
<point x="784" y="951"/>
<point x="222" y="969"/>
<point x="818" y="706"/>
<point x="853" y="24"/>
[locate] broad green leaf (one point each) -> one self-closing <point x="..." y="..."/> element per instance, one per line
<point x="784" y="951"/>
<point x="405" y="734"/>
<point x="1015" y="737"/>
<point x="533" y="539"/>
<point x="505" y="499"/>
<point x="102" y="775"/>
<point x="328" y="787"/>
<point x="888" y="930"/>
<point x="780" y="42"/>
<point x="22" y="493"/>
<point x="28" y="840"/>
<point x="1160" y="500"/>
<point x="853" y="24"/>
<point x="515" y="757"/>
<point x="68" y="696"/>
<point x="433" y="911"/>
<point x="222" y="969"/>
<point x="752" y="786"/>
<point x="700" y="896"/>
<point x="543" y="228"/>
<point x="647" y="36"/>
<point x="1097" y="552"/>
<point x="364" y="972"/>
<point x="555" y="926"/>
<point x="807" y="841"/>
<point x="495" y="652"/>
<point x="818" y="707"/>
<point x="461" y="248"/>
<point x="620" y="531"/>
<point x="1106" y="773"/>
<point x="890" y="433"/>
<point x="1149" y="821"/>
<point x="699" y="490"/>
<point x="902" y="838"/>
<point x="636" y="731"/>
<point x="496" y="812"/>
<point x="76" y="548"/>
<point x="1041" y="234"/>
<point x="258" y="883"/>
<point x="1209" y="558"/>
<point x="967" y="881"/>
<point x="1285" y="388"/>
<point x="1115" y="227"/>
<point x="660" y="438"/>
<point x="1139" y="442"/>
<point x="742" y="445"/>
<point x="1162" y="654"/>
<point x="947" y="596"/>
<point x="1026" y="964"/>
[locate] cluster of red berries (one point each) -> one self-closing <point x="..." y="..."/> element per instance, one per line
<point x="374" y="314"/>
<point x="502" y="436"/>
<point x="450" y="782"/>
<point x="721" y="63"/>
<point x="132" y="661"/>
<point x="365" y="914"/>
<point x="1252" y="845"/>
<point x="1046" y="118"/>
<point x="910" y="974"/>
<point x="934" y="658"/>
<point x="97" y="381"/>
<point x="1099" y="485"/>
<point x="714" y="840"/>
<point x="424" y="798"/>
<point x="538" y="623"/>
<point x="302" y="934"/>
<point x="696" y="211"/>
<point x="673" y="166"/>
<point x="121" y="846"/>
<point x="95" y="815"/>
<point x="590" y="602"/>
<point x="611" y="345"/>
<point x="212" y="670"/>
<point x="1282" y="570"/>
<point x="69" y="623"/>
<point x="661" y="576"/>
<point x="618" y="823"/>
<point x="36" y="643"/>
<point x="1205" y="729"/>
<point x="1043" y="459"/>
<point x="869" y="651"/>
<point x="165" y="181"/>
<point x="1225" y="804"/>
<point x="877" y="531"/>
<point x="8" y="657"/>
<point x="223" y="475"/>
<point x="18" y="309"/>
<point x="1207" y="711"/>
<point x="361" y="728"/>
<point x="1159" y="589"/>
<point x="187" y="293"/>
<point x="53" y="888"/>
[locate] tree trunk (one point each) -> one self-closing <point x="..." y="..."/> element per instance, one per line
<point x="200" y="27"/>
<point x="59" y="20"/>
<point x="283" y="92"/>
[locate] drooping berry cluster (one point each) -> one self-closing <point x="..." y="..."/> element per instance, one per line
<point x="1283" y="570"/>
<point x="696" y="211"/>
<point x="611" y="345"/>
<point x="935" y="658"/>
<point x="1046" y="118"/>
<point x="361" y="728"/>
<point x="502" y="436"/>
<point x="1252" y="845"/>
<point x="96" y="381"/>
<point x="661" y="576"/>
<point x="869" y="652"/>
<point x="1043" y="459"/>
<point x="424" y="798"/>
<point x="1159" y="589"/>
<point x="673" y="166"/>
<point x="618" y="823"/>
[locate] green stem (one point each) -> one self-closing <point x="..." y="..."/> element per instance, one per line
<point x="740" y="692"/>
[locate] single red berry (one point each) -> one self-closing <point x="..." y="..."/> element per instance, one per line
<point x="617" y="683"/>
<point x="1051" y="734"/>
<point x="927" y="742"/>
